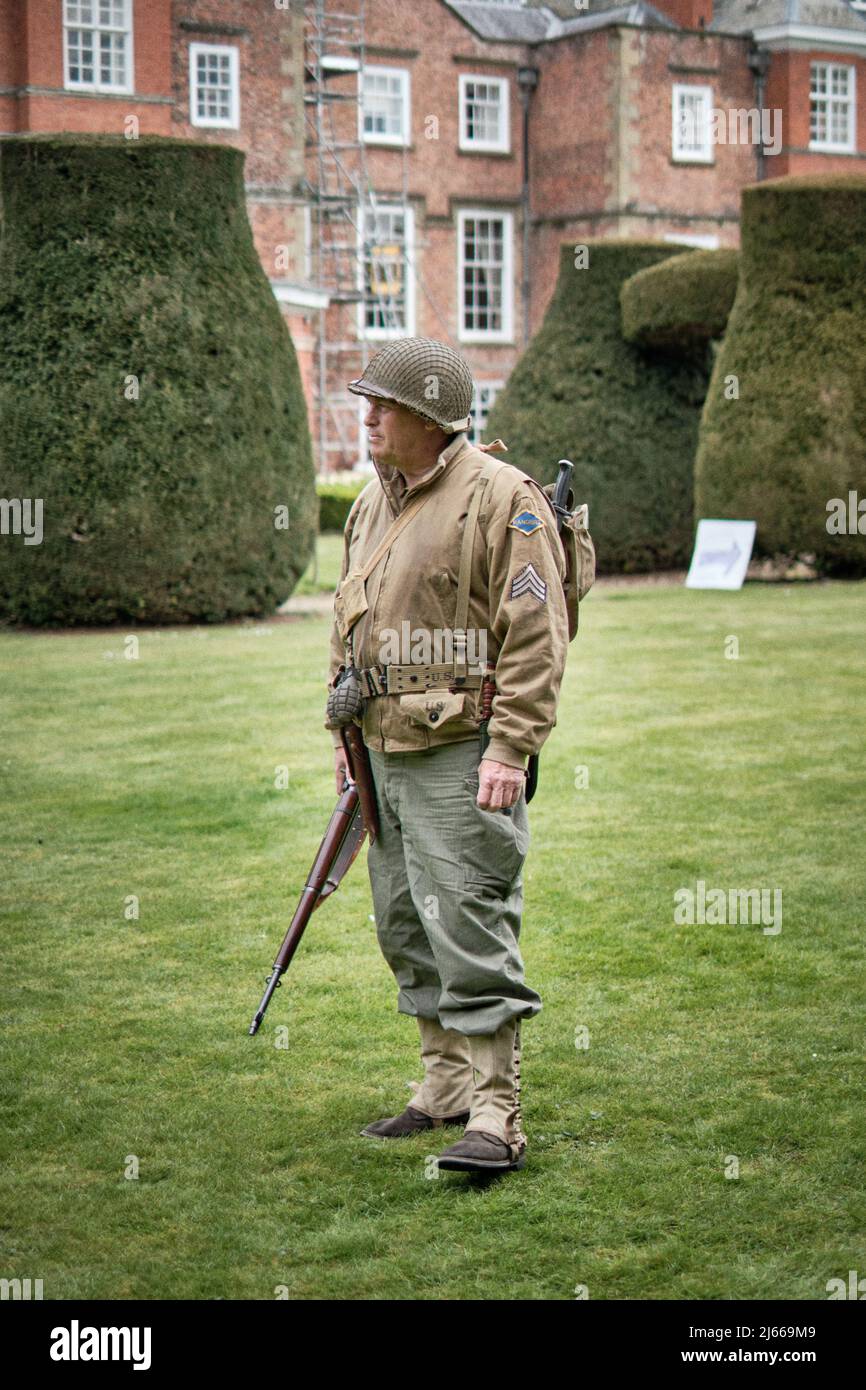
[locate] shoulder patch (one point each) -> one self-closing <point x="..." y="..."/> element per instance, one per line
<point x="527" y="522"/>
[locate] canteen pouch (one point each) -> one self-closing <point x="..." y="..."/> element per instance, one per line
<point x="350" y="603"/>
<point x="584" y="569"/>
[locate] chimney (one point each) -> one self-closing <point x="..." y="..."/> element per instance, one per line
<point x="688" y="14"/>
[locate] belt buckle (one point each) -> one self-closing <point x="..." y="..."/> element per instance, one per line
<point x="377" y="680"/>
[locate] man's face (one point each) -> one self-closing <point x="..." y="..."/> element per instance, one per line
<point x="395" y="435"/>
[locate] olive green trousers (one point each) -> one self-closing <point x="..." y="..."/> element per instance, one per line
<point x="448" y="891"/>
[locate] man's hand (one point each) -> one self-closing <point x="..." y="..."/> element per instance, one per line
<point x="341" y="768"/>
<point x="499" y="785"/>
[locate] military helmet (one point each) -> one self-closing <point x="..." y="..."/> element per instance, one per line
<point x="427" y="377"/>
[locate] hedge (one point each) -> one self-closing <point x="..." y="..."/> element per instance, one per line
<point x="795" y="352"/>
<point x="335" y="502"/>
<point x="149" y="391"/>
<point x="682" y="303"/>
<point x="627" y="419"/>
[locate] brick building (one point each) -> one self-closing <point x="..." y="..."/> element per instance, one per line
<point x="414" y="165"/>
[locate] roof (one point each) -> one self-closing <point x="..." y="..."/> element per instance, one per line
<point x="744" y="16"/>
<point x="536" y="22"/>
<point x="604" y="12"/>
<point x="505" y="23"/>
<point x="566" y="9"/>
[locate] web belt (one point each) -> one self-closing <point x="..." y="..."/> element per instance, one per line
<point x="400" y="680"/>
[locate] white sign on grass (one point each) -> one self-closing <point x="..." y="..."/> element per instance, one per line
<point x="721" y="556"/>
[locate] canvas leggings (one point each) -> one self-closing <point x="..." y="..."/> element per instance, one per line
<point x="448" y="890"/>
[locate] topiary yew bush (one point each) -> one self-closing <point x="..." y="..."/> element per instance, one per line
<point x="149" y="391"/>
<point x="783" y="431"/>
<point x="682" y="303"/>
<point x="626" y="418"/>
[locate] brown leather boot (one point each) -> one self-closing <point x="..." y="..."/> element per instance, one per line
<point x="411" y="1121"/>
<point x="478" y="1152"/>
<point x="445" y="1094"/>
<point x="494" y="1138"/>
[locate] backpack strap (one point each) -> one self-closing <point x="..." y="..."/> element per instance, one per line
<point x="464" y="574"/>
<point x="397" y="525"/>
<point x="350" y="600"/>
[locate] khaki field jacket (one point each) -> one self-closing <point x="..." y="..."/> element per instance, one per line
<point x="516" y="605"/>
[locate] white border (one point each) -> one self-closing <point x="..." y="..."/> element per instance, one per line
<point x="406" y="84"/>
<point x="504" y="335"/>
<point x="703" y="241"/>
<point x="501" y="146"/>
<point x="96" y="86"/>
<point x="704" y="156"/>
<point x="383" y="334"/>
<point x="829" y="147"/>
<point x="810" y="36"/>
<point x="498" y="385"/>
<point x="216" y="122"/>
<point x="300" y="296"/>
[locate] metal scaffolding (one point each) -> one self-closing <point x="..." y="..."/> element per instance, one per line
<point x="358" y="240"/>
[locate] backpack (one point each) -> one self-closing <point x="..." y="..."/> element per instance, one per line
<point x="579" y="551"/>
<point x="577" y="544"/>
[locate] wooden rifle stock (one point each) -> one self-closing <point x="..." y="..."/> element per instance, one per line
<point x="362" y="775"/>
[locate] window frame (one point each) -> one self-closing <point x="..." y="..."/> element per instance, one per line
<point x="233" y="122"/>
<point x="477" y="428"/>
<point x="505" y="334"/>
<point x="679" y="155"/>
<point x="503" y="144"/>
<point x="831" y="146"/>
<point x="128" y="88"/>
<point x="373" y="137"/>
<point x="408" y="330"/>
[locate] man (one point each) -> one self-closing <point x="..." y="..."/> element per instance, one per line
<point x="473" y="578"/>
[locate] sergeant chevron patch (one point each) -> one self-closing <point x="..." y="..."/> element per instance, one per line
<point x="527" y="522"/>
<point x="529" y="581"/>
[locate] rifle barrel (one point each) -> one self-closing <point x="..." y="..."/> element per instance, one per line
<point x="339" y="826"/>
<point x="273" y="982"/>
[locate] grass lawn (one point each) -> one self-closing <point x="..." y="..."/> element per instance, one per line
<point x="323" y="572"/>
<point x="710" y="1046"/>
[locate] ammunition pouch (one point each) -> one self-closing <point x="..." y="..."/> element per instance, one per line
<point x="434" y="708"/>
<point x="350" y="603"/>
